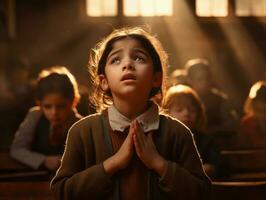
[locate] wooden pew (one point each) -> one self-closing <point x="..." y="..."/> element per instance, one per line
<point x="19" y="182"/>
<point x="245" y="164"/>
<point x="25" y="191"/>
<point x="11" y="170"/>
<point x="9" y="164"/>
<point x="247" y="190"/>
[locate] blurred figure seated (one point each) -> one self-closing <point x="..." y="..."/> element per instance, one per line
<point x="40" y="138"/>
<point x="16" y="97"/>
<point x="221" y="116"/>
<point x="183" y="103"/>
<point x="178" y="76"/>
<point x="253" y="123"/>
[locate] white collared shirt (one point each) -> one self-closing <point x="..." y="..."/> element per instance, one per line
<point x="149" y="120"/>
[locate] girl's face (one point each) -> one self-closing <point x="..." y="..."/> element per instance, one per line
<point x="185" y="113"/>
<point x="56" y="108"/>
<point x="129" y="71"/>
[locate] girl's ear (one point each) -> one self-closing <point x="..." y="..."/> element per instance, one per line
<point x="157" y="80"/>
<point x="103" y="83"/>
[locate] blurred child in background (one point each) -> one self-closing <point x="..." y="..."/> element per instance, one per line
<point x="183" y="103"/>
<point x="40" y="138"/>
<point x="253" y="123"/>
<point x="221" y="116"/>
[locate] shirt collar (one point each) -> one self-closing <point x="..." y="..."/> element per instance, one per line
<point x="149" y="120"/>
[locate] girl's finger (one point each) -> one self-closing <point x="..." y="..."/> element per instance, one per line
<point x="150" y="139"/>
<point x="137" y="145"/>
<point x="140" y="134"/>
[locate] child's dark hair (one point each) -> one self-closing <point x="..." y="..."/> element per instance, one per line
<point x="98" y="57"/>
<point x="257" y="93"/>
<point x="59" y="80"/>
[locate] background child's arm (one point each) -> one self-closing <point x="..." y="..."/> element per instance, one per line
<point x="21" y="145"/>
<point x="52" y="162"/>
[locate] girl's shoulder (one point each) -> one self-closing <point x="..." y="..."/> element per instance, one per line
<point x="170" y="121"/>
<point x="174" y="133"/>
<point x="34" y="112"/>
<point x="90" y="121"/>
<point x="171" y="124"/>
<point x="89" y="127"/>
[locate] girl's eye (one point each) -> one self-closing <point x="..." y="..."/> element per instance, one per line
<point x="139" y="59"/>
<point x="115" y="61"/>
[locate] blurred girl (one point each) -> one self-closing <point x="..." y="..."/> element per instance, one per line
<point x="183" y="103"/>
<point x="253" y="123"/>
<point x="39" y="141"/>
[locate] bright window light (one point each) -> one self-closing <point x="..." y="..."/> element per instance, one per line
<point x="101" y="8"/>
<point x="251" y="7"/>
<point x="148" y="7"/>
<point x="212" y="8"/>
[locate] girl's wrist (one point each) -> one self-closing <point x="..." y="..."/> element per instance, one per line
<point x="160" y="166"/>
<point x="110" y="166"/>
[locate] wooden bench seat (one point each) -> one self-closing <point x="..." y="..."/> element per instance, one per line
<point x="242" y="190"/>
<point x="25" y="191"/>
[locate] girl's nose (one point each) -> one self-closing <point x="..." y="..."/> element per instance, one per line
<point x="128" y="65"/>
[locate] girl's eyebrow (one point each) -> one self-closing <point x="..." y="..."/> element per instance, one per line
<point x="138" y="50"/>
<point x="143" y="51"/>
<point x="114" y="52"/>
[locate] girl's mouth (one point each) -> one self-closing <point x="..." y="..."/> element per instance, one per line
<point x="128" y="77"/>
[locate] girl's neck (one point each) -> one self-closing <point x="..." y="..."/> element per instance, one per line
<point x="131" y="109"/>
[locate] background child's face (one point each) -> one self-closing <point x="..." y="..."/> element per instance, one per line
<point x="56" y="108"/>
<point x="129" y="70"/>
<point x="185" y="113"/>
<point x="201" y="82"/>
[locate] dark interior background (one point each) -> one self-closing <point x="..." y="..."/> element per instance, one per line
<point x="60" y="33"/>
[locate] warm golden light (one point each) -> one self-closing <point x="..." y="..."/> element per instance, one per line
<point x="242" y="44"/>
<point x="212" y="8"/>
<point x="148" y="7"/>
<point x="251" y="8"/>
<point x="99" y="8"/>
